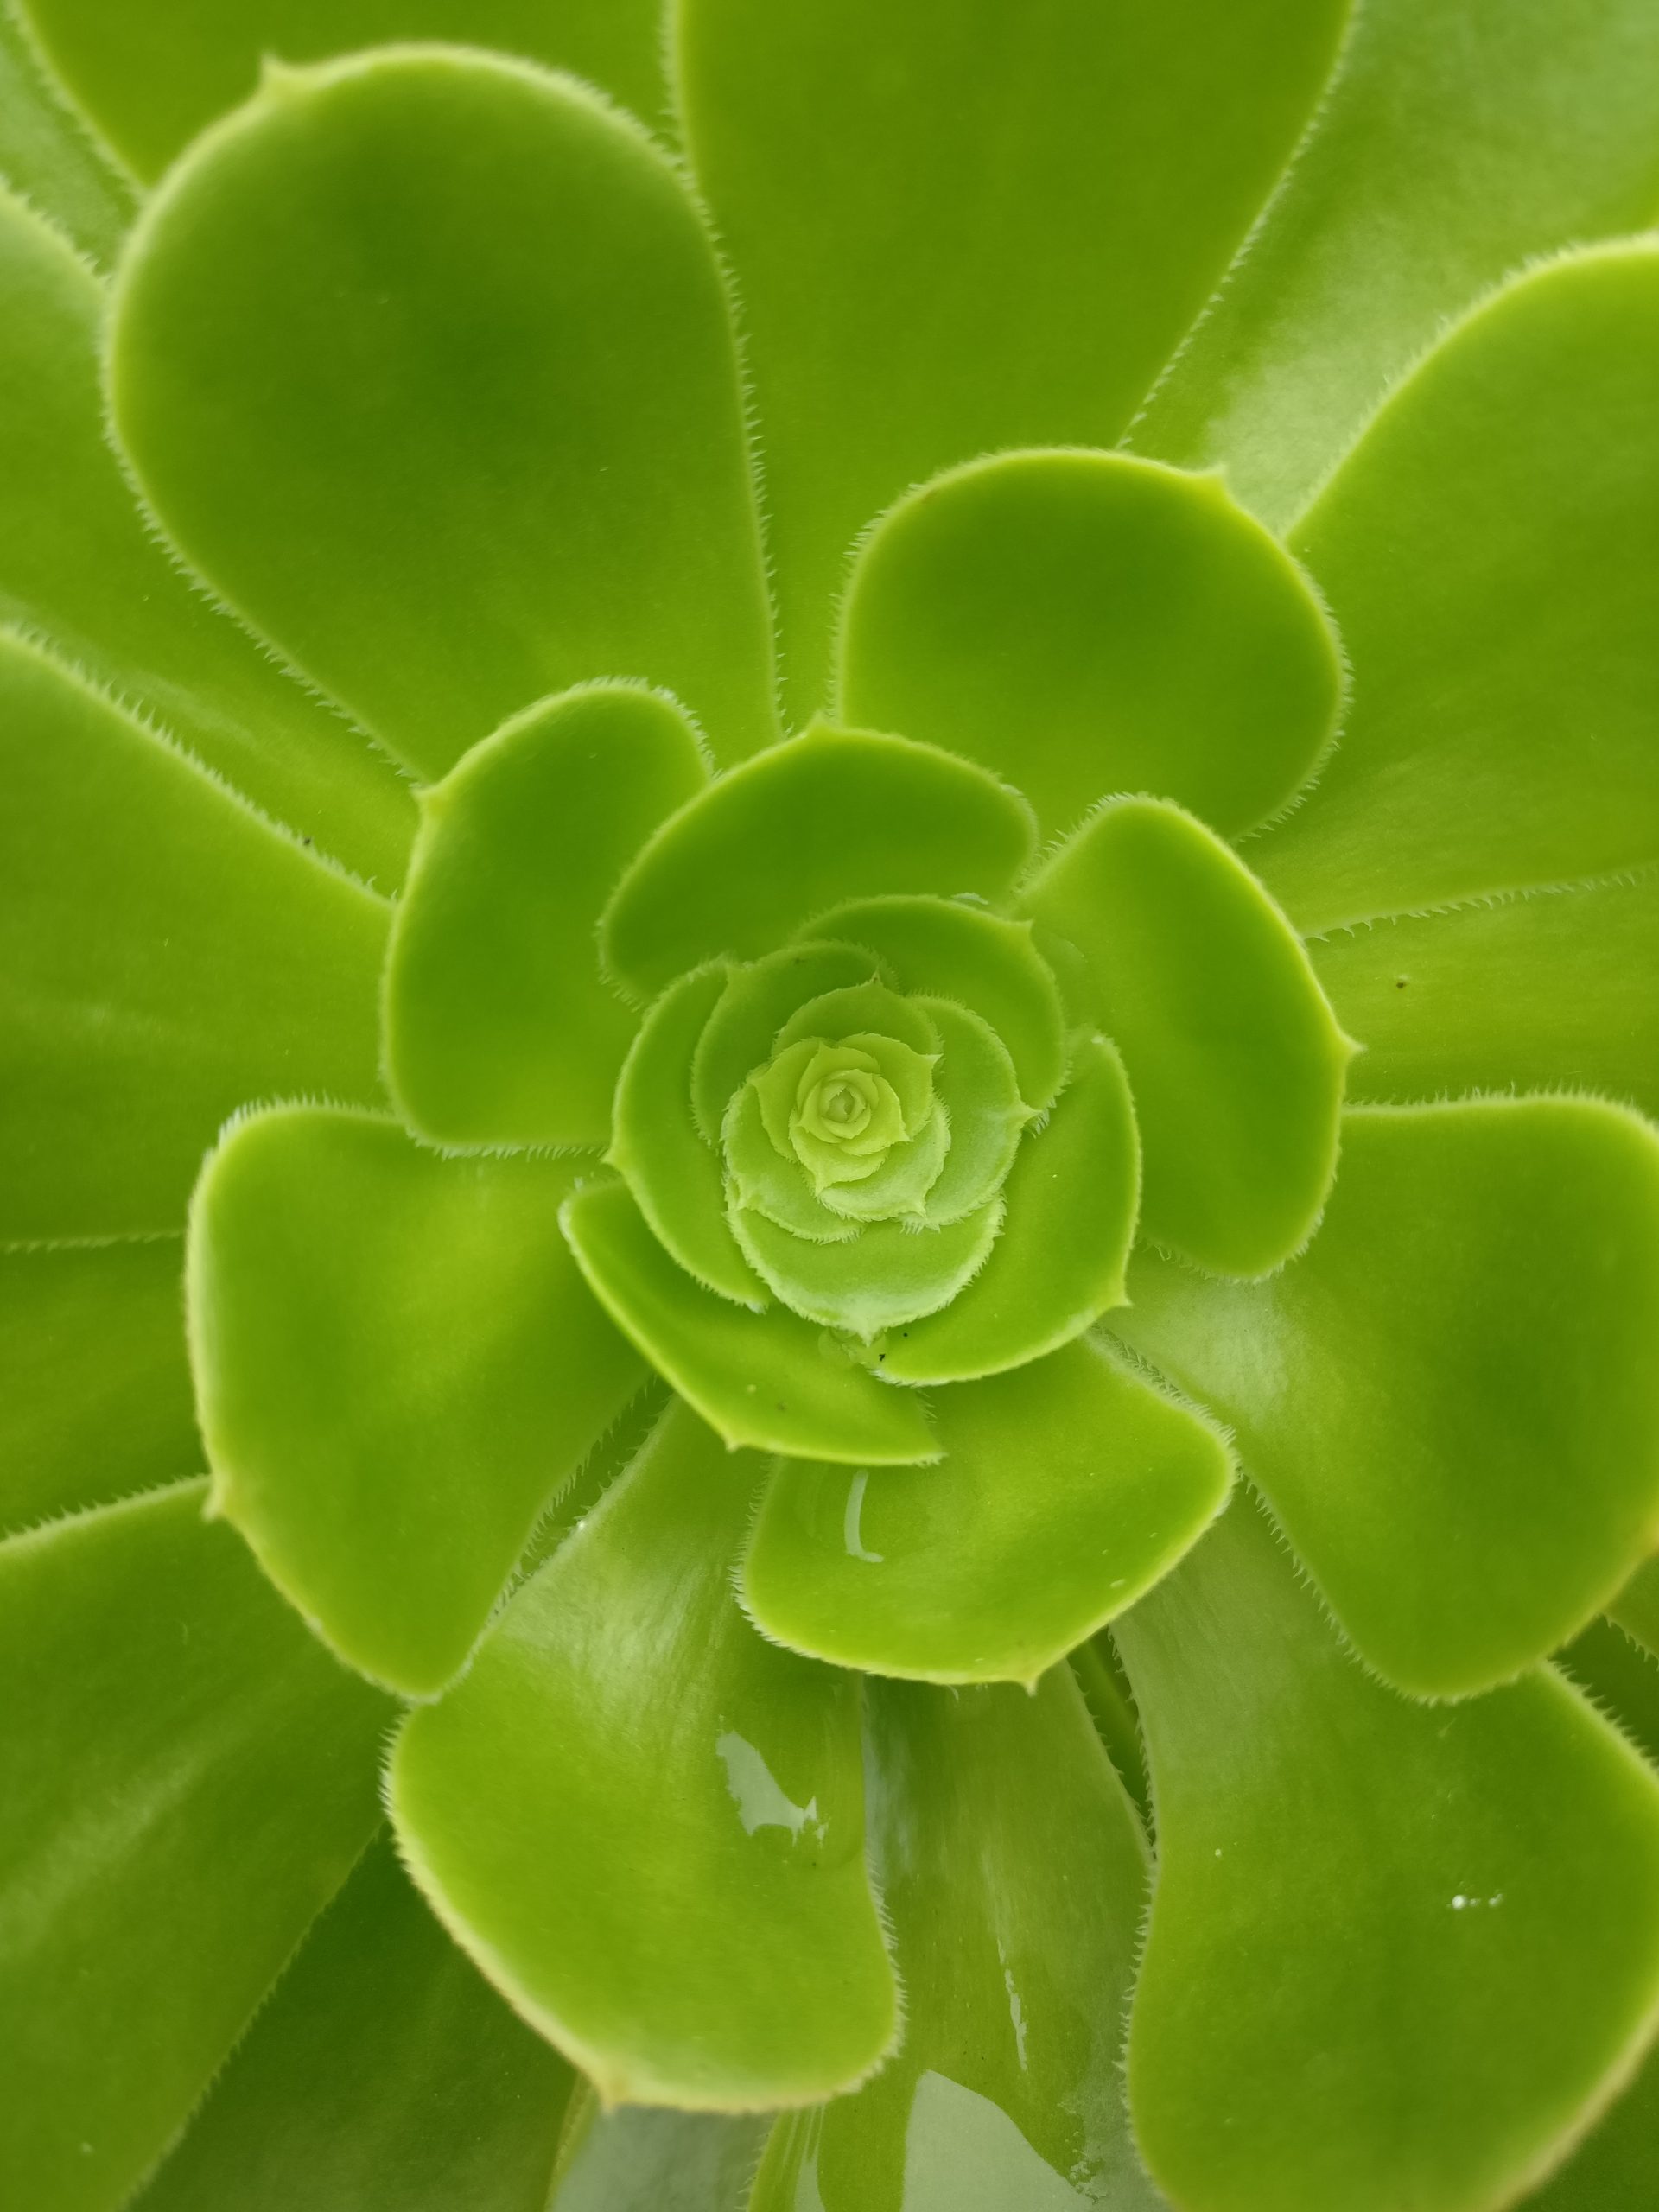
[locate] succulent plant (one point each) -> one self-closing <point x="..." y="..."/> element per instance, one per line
<point x="831" y="956"/>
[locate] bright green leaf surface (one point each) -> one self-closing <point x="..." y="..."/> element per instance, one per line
<point x="97" y="1398"/>
<point x="499" y="1026"/>
<point x="889" y="1274"/>
<point x="986" y="1806"/>
<point x="1071" y="1197"/>
<point x="164" y="956"/>
<point x="767" y="1380"/>
<point x="398" y="1364"/>
<point x="961" y="227"/>
<point x="647" y="1823"/>
<point x="763" y="1178"/>
<point x="1235" y="1059"/>
<point x="1460" y="139"/>
<point x="423" y="359"/>
<point x="978" y="1087"/>
<point x="189" y="1778"/>
<point x="1491" y="585"/>
<point x="674" y="1173"/>
<point x="1066" y="1489"/>
<point x="1557" y="989"/>
<point x="831" y="816"/>
<point x="154" y="77"/>
<point x="48" y="154"/>
<point x="635" y="2158"/>
<point x="78" y="565"/>
<point x="739" y="1034"/>
<point x="1450" y="1399"/>
<point x="1396" y="1952"/>
<point x="949" y="949"/>
<point x="1086" y="623"/>
<point x="385" y="2075"/>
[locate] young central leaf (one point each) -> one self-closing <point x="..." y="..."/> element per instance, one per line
<point x="840" y="1107"/>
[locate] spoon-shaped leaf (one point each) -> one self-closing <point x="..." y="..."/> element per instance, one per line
<point x="832" y="815"/>
<point x="890" y="1273"/>
<point x="500" y="1028"/>
<point x="1472" y="1467"/>
<point x="1086" y="623"/>
<point x="674" y="1174"/>
<point x="959" y="226"/>
<point x="78" y="565"/>
<point x="1236" y="1061"/>
<point x="1066" y="1489"/>
<point x="1057" y="1265"/>
<point x="769" y="1380"/>
<point x="1407" y="1975"/>
<point x="423" y="361"/>
<point x="647" y="1823"/>
<point x="398" y="1364"/>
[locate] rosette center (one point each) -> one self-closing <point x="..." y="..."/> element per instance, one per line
<point x="839" y="1106"/>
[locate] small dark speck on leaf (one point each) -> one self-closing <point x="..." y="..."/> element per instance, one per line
<point x="1399" y="982"/>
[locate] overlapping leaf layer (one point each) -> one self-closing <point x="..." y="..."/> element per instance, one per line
<point x="736" y="723"/>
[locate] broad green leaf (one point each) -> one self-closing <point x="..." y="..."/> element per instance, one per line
<point x="384" y="2075"/>
<point x="164" y="956"/>
<point x="978" y="1087"/>
<point x="1085" y="623"/>
<point x="188" y="1779"/>
<point x="1235" y="1060"/>
<point x="97" y="1399"/>
<point x="49" y="156"/>
<point x="645" y="1823"/>
<point x="1450" y="1399"/>
<point x="769" y="1380"/>
<point x="154" y="77"/>
<point x="634" y="2158"/>
<point x="948" y="948"/>
<point x="423" y="361"/>
<point x="959" y="227"/>
<point x="1491" y="588"/>
<point x="1398" y="1954"/>
<point x="832" y="815"/>
<point x="77" y="565"/>
<point x="1459" y="140"/>
<point x="499" y="1026"/>
<point x="871" y="1007"/>
<point x="1518" y="993"/>
<point x="1066" y="1489"/>
<point x="674" y="1173"/>
<point x="889" y="1274"/>
<point x="986" y="1806"/>
<point x="739" y="1036"/>
<point x="398" y="1364"/>
<point x="1071" y="1200"/>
